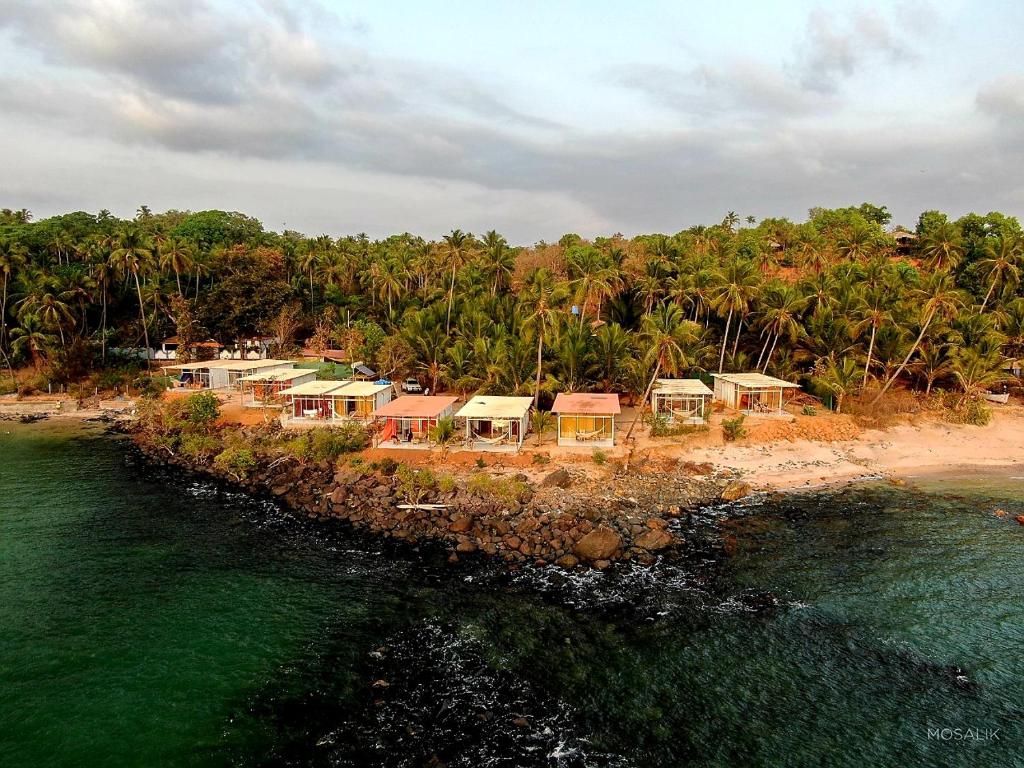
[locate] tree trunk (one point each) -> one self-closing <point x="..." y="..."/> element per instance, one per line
<point x="451" y="298"/>
<point x="770" y="353"/>
<point x="988" y="296"/>
<point x="725" y="340"/>
<point x="540" y="352"/>
<point x="906" y="360"/>
<point x="103" y="336"/>
<point x="736" y="342"/>
<point x="764" y="348"/>
<point x="177" y="277"/>
<point x="3" y="315"/>
<point x="142" y="315"/>
<point x="647" y="393"/>
<point x="871" y="349"/>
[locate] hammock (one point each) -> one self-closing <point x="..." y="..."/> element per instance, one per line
<point x="691" y="414"/>
<point x="590" y="435"/>
<point x="490" y="440"/>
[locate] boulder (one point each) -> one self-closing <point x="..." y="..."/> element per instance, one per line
<point x="654" y="539"/>
<point x="461" y="524"/>
<point x="735" y="490"/>
<point x="568" y="562"/>
<point x="600" y="544"/>
<point x="560" y="478"/>
<point x="466" y="546"/>
<point x="339" y="495"/>
<point x="1019" y="519"/>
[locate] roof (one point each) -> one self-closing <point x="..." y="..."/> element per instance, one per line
<point x="363" y="370"/>
<point x="682" y="387"/>
<point x="586" y="402"/>
<point x="195" y="365"/>
<point x="495" y="407"/>
<point x="361" y="388"/>
<point x="753" y="380"/>
<point x="245" y="365"/>
<point x="314" y="388"/>
<point x="208" y="343"/>
<point x="427" y="407"/>
<point x="285" y="375"/>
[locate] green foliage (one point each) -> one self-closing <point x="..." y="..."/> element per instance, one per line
<point x="386" y="466"/>
<point x="504" y="488"/>
<point x="600" y="457"/>
<point x="199" y="448"/>
<point x="415" y="484"/>
<point x="202" y="409"/>
<point x="540" y="458"/>
<point x="965" y="410"/>
<point x="326" y="444"/>
<point x="444" y="433"/>
<point x="236" y="460"/>
<point x="733" y="429"/>
<point x="809" y="410"/>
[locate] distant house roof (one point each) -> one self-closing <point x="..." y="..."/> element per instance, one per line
<point x="210" y="343"/>
<point x="586" y="402"/>
<point x="245" y="365"/>
<point x="361" y="388"/>
<point x="285" y="375"/>
<point x="426" y="407"/>
<point x="364" y="370"/>
<point x="902" y="234"/>
<point x="310" y="388"/>
<point x="495" y="407"/>
<point x="682" y="387"/>
<point x="753" y="380"/>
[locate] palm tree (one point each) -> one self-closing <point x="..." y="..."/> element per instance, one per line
<point x="1001" y="264"/>
<point x="48" y="308"/>
<point x="611" y="350"/>
<point x="942" y="246"/>
<point x="872" y="315"/>
<point x="543" y="295"/>
<point x="977" y="371"/>
<point x="839" y="379"/>
<point x="457" y="245"/>
<point x="938" y="298"/>
<point x="673" y="345"/>
<point x="934" y="362"/>
<point x="133" y="254"/>
<point x="178" y="255"/>
<point x="499" y="260"/>
<point x="31" y="338"/>
<point x="736" y="289"/>
<point x="782" y="308"/>
<point x="12" y="258"/>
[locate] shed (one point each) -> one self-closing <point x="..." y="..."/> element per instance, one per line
<point x="681" y="401"/>
<point x="359" y="399"/>
<point x="586" y="418"/>
<point x="409" y="419"/>
<point x="495" y="423"/>
<point x="751" y="393"/>
<point x="228" y="373"/>
<point x="197" y="375"/>
<point x="264" y="388"/>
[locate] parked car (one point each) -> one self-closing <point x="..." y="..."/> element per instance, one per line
<point x="412" y="387"/>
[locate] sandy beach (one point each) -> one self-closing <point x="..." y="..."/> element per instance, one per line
<point x="902" y="451"/>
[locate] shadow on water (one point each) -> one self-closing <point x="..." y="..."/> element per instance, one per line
<point x="828" y="629"/>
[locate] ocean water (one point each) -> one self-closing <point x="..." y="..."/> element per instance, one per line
<point x="149" y="619"/>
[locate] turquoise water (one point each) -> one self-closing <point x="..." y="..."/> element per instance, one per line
<point x="147" y="619"/>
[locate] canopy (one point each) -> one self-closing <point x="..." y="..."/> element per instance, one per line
<point x="591" y="404"/>
<point x="495" y="407"/>
<point x="416" y="406"/>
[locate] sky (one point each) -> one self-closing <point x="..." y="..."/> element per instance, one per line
<point x="531" y="118"/>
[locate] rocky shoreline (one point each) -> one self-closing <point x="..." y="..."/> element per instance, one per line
<point x="566" y="519"/>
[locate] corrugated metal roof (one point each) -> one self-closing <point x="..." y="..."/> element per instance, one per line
<point x="591" y="403"/>
<point x="424" y="406"/>
<point x="315" y="388"/>
<point x="285" y="375"/>
<point x="753" y="380"/>
<point x="362" y="388"/>
<point x="682" y="387"/>
<point x="245" y="365"/>
<point x="495" y="407"/>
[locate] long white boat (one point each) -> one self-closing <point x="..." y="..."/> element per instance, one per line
<point x="1002" y="397"/>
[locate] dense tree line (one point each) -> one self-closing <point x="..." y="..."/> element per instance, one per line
<point x="837" y="302"/>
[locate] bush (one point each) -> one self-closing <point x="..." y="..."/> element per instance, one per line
<point x="199" y="447"/>
<point x="660" y="427"/>
<point x="415" y="484"/>
<point x="599" y="456"/>
<point x="970" y="411"/>
<point x="327" y="444"/>
<point x="443" y="432"/>
<point x="386" y="466"/>
<point x="202" y="409"/>
<point x="809" y="410"/>
<point x="236" y="461"/>
<point x="507" y="489"/>
<point x="541" y="458"/>
<point x="733" y="429"/>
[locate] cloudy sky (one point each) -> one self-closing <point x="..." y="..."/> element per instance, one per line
<point x="534" y="118"/>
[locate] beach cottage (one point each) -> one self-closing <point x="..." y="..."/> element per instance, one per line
<point x="316" y="402"/>
<point x="228" y="374"/>
<point x="264" y="388"/>
<point x="195" y="375"/>
<point x="496" y="423"/>
<point x="586" y="419"/>
<point x="681" y="401"/>
<point x="752" y="393"/>
<point x="409" y="419"/>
